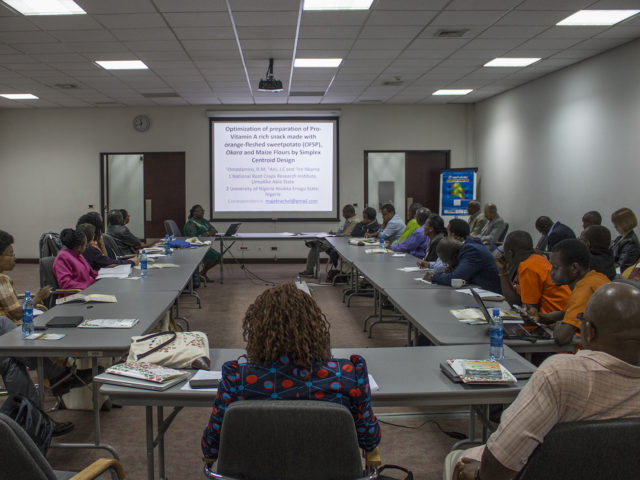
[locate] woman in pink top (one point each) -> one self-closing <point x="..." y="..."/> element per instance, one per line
<point x="70" y="268"/>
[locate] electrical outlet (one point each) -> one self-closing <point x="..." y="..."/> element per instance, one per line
<point x="273" y="249"/>
<point x="244" y="248"/>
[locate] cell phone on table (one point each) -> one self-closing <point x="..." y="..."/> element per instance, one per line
<point x="39" y="328"/>
<point x="204" y="383"/>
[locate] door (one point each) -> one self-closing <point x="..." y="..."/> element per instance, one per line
<point x="164" y="192"/>
<point x="422" y="177"/>
<point x="150" y="186"/>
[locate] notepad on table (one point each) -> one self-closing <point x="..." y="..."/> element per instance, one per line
<point x="82" y="298"/>
<point x="119" y="271"/>
<point x="109" y="323"/>
<point x="376" y="250"/>
<point x="481" y="371"/>
<point x="143" y="375"/>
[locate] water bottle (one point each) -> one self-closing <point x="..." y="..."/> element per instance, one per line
<point x="143" y="263"/>
<point x="167" y="247"/>
<point x="27" y="315"/>
<point x="382" y="238"/>
<point x="496" y="350"/>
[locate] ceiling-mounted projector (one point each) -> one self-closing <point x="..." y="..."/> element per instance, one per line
<point x="270" y="84"/>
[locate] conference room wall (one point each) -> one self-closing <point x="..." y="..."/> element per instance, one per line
<point x="49" y="158"/>
<point x="564" y="144"/>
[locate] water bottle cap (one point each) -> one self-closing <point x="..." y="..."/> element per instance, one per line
<point x="27" y="293"/>
<point x="144" y="251"/>
<point x="496" y="312"/>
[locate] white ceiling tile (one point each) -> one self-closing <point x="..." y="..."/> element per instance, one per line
<point x="142" y="34"/>
<point x="44" y="48"/>
<point x="63" y="57"/>
<point x="386" y="31"/>
<point x="65" y="22"/>
<point x="326" y="31"/>
<point x="467" y="18"/>
<point x="154" y="45"/>
<point x="614" y="4"/>
<point x="440" y="44"/>
<point x="304" y="100"/>
<point x="499" y="45"/>
<point x="210" y="45"/>
<point x="483" y="4"/>
<point x="623" y="31"/>
<point x="25" y="37"/>
<point x="266" y="44"/>
<point x="401" y="18"/>
<point x="395" y="44"/>
<point x="163" y="56"/>
<point x="520" y="31"/>
<point x="6" y="50"/>
<point x="549" y="43"/>
<point x="534" y="18"/>
<point x="209" y="20"/>
<point x="325" y="44"/>
<point x="204" y="33"/>
<point x="554" y="5"/>
<point x="262" y="6"/>
<point x="410" y="4"/>
<point x="600" y="44"/>
<point x="388" y="54"/>
<point x="16" y="24"/>
<point x="338" y="99"/>
<point x="191" y="5"/>
<point x="116" y="6"/>
<point x="131" y="20"/>
<point x="169" y="101"/>
<point x="71" y="36"/>
<point x="259" y="19"/>
<point x="7" y="60"/>
<point x="92" y="48"/>
<point x="571" y="32"/>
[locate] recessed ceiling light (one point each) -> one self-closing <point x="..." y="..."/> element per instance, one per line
<point x="46" y="7"/>
<point x="337" y="4"/>
<point x="19" y="96"/>
<point x="317" y="62"/>
<point x="122" y="64"/>
<point x="458" y="91"/>
<point x="597" y="17"/>
<point x="511" y="62"/>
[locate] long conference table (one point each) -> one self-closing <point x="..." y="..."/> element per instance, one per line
<point x="146" y="299"/>
<point x="405" y="376"/>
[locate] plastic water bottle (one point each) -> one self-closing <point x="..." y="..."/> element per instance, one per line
<point x="382" y="238"/>
<point x="167" y="247"/>
<point x="143" y="263"/>
<point x="496" y="350"/>
<point x="27" y="314"/>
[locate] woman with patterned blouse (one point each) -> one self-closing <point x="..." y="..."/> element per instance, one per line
<point x="289" y="358"/>
<point x="198" y="226"/>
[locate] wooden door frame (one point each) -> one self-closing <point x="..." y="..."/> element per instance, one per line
<point x="104" y="195"/>
<point x="366" y="165"/>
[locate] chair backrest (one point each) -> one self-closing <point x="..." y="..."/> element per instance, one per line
<point x="172" y="228"/>
<point x="21" y="459"/>
<point x="588" y="451"/>
<point x="49" y="244"/>
<point x="504" y="232"/>
<point x="48" y="278"/>
<point x="110" y="245"/>
<point x="289" y="440"/>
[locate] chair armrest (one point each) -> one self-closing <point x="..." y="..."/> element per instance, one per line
<point x="42" y="307"/>
<point x="67" y="290"/>
<point x="98" y="468"/>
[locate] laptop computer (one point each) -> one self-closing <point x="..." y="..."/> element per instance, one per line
<point x="512" y="331"/>
<point x="231" y="230"/>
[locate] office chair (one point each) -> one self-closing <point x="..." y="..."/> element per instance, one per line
<point x="587" y="450"/>
<point x="49" y="244"/>
<point x="172" y="228"/>
<point x="503" y="234"/>
<point x="110" y="245"/>
<point x="48" y="278"/>
<point x="23" y="461"/>
<point x="288" y="440"/>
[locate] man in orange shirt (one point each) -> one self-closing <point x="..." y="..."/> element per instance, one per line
<point x="533" y="288"/>
<point x="570" y="266"/>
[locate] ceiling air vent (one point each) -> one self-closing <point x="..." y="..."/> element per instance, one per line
<point x="451" y="33"/>
<point x="396" y="82"/>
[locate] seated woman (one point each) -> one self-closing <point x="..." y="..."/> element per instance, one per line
<point x="197" y="226"/>
<point x="625" y="247"/>
<point x="93" y="255"/>
<point x="417" y="242"/>
<point x="70" y="268"/>
<point x="434" y="229"/>
<point x="289" y="358"/>
<point x="95" y="219"/>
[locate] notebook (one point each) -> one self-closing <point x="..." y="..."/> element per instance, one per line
<point x="65" y="322"/>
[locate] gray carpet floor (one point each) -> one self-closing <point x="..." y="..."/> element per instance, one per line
<point x="414" y="441"/>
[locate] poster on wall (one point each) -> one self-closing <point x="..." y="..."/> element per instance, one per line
<point x="457" y="189"/>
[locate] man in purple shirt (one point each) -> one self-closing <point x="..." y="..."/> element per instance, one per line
<point x="417" y="242"/>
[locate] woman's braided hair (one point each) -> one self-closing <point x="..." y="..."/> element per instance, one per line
<point x="284" y="320"/>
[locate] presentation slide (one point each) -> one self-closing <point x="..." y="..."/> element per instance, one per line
<point x="274" y="168"/>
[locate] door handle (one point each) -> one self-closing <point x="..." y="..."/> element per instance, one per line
<point x="147" y="210"/>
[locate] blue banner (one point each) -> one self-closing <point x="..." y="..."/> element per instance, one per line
<point x="457" y="189"/>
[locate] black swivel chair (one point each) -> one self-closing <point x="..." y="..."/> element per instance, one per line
<point x="288" y="440"/>
<point x="172" y="229"/>
<point x="593" y="450"/>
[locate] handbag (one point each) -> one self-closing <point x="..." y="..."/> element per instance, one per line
<point x="37" y="424"/>
<point x="172" y="349"/>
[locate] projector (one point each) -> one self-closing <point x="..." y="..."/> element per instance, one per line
<point x="270" y="84"/>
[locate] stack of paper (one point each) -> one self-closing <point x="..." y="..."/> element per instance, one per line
<point x="144" y="375"/>
<point x="109" y="323"/>
<point x="481" y="371"/>
<point x="119" y="271"/>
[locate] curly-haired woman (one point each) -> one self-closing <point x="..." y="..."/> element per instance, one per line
<point x="70" y="268"/>
<point x="289" y="358"/>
